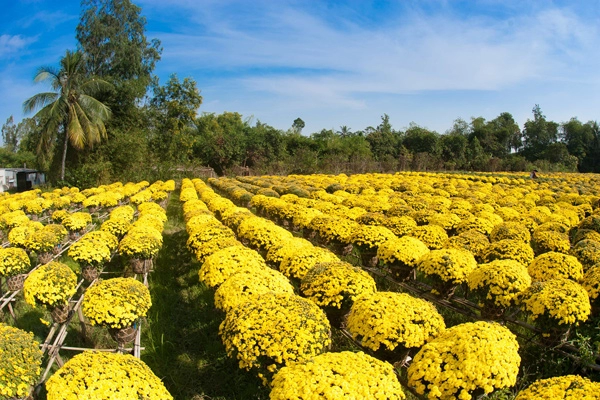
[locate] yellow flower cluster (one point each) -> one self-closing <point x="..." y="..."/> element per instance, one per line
<point x="50" y="285"/>
<point x="464" y="359"/>
<point x="92" y="250"/>
<point x="370" y="237"/>
<point x="333" y="376"/>
<point x="299" y="260"/>
<point x="510" y="230"/>
<point x="591" y="282"/>
<point x="18" y="235"/>
<point x="273" y="330"/>
<point x="105" y="376"/>
<point x="59" y="215"/>
<point x="241" y="286"/>
<point x="569" y="387"/>
<point x="449" y="265"/>
<point x="498" y="282"/>
<point x="553" y="265"/>
<point x="392" y="319"/>
<point x="77" y="221"/>
<point x="555" y="301"/>
<point x="116" y="303"/>
<point x="545" y="241"/>
<point x="471" y="240"/>
<point x="261" y="233"/>
<point x="225" y="262"/>
<point x="404" y="251"/>
<point x="13" y="261"/>
<point x="587" y="252"/>
<point x="509" y="249"/>
<point x="336" y="284"/>
<point x="480" y="224"/>
<point x="20" y="362"/>
<point x="434" y="236"/>
<point x="278" y="252"/>
<point x="141" y="242"/>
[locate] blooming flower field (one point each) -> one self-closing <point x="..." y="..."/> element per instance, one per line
<point x="448" y="285"/>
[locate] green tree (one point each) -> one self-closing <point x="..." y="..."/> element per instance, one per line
<point x="298" y="125"/>
<point x="420" y="140"/>
<point x="538" y="134"/>
<point x="384" y="140"/>
<point x="174" y="107"/>
<point x="112" y="35"/>
<point x="220" y="140"/>
<point x="9" y="135"/>
<point x="72" y="109"/>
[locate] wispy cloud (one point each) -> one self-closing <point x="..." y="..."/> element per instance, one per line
<point x="421" y="52"/>
<point x="49" y="18"/>
<point x="10" y="44"/>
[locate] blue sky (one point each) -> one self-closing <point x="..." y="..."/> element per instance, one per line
<point x="336" y="63"/>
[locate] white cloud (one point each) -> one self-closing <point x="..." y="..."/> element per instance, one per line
<point x="10" y="44"/>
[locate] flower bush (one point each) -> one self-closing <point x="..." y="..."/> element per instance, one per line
<point x="103" y="237"/>
<point x="261" y="233"/>
<point x="480" y="224"/>
<point x="50" y="285"/>
<point x="332" y="376"/>
<point x="207" y="233"/>
<point x="18" y="235"/>
<point x="272" y="330"/>
<point x="20" y="362"/>
<point x="587" y="252"/>
<point x="466" y="360"/>
<point x="497" y="283"/>
<point x="59" y="215"/>
<point x="369" y="237"/>
<point x="336" y="284"/>
<point x="223" y="263"/>
<point x="556" y="302"/>
<point x="141" y="242"/>
<point x="116" y="303"/>
<point x="117" y="226"/>
<point x="278" y="252"/>
<point x="89" y="252"/>
<point x="400" y="225"/>
<point x="402" y="252"/>
<point x="509" y="249"/>
<point x="545" y="241"/>
<point x="553" y="265"/>
<point x="561" y="387"/>
<point x="105" y="376"/>
<point x="510" y="230"/>
<point x="434" y="236"/>
<point x="591" y="282"/>
<point x="241" y="286"/>
<point x="77" y="221"/>
<point x="448" y="265"/>
<point x="393" y="319"/>
<point x="472" y="240"/>
<point x="13" y="261"/>
<point x="300" y="260"/>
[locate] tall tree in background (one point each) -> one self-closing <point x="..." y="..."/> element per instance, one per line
<point x="538" y="135"/>
<point x="112" y="35"/>
<point x="72" y="108"/>
<point x="9" y="135"/>
<point x="173" y="108"/>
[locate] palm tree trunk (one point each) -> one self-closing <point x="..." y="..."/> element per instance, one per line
<point x="64" y="155"/>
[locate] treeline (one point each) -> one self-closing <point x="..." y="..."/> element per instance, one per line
<point x="153" y="130"/>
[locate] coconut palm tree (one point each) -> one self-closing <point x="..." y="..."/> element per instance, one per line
<point x="72" y="107"/>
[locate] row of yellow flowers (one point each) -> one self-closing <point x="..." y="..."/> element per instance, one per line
<point x="507" y="286"/>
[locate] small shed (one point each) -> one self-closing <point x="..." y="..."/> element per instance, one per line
<point x="20" y="178"/>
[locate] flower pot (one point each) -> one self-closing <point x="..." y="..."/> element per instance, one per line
<point x="163" y="203"/>
<point x="89" y="273"/>
<point x="74" y="235"/>
<point x="124" y="335"/>
<point x="92" y="209"/>
<point x="56" y="249"/>
<point x="369" y="258"/>
<point x="60" y="314"/>
<point x="45" y="258"/>
<point x="401" y="271"/>
<point x="140" y="266"/>
<point x="15" y="282"/>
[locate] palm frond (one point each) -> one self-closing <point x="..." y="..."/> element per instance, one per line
<point x="39" y="100"/>
<point x="75" y="132"/>
<point x="95" y="85"/>
<point x="94" y="107"/>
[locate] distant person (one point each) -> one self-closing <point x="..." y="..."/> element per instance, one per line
<point x="533" y="174"/>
